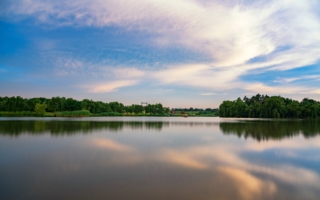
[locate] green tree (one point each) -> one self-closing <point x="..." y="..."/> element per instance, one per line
<point x="40" y="109"/>
<point x="270" y="107"/>
<point x="55" y="104"/>
<point x="71" y="105"/>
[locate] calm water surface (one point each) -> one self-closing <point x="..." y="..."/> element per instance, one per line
<point x="159" y="158"/>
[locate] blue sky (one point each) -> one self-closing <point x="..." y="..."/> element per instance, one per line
<point x="182" y="53"/>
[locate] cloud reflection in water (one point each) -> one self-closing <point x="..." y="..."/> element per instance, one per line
<point x="173" y="159"/>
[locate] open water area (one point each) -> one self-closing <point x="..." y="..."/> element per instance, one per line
<point x="159" y="158"/>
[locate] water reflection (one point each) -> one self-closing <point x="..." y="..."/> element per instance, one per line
<point x="259" y="130"/>
<point x="272" y="129"/>
<point x="72" y="127"/>
<point x="184" y="160"/>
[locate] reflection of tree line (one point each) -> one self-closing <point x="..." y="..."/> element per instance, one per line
<point x="259" y="130"/>
<point x="72" y="127"/>
<point x="276" y="130"/>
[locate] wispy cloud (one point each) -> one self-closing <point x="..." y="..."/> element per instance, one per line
<point x="289" y="80"/>
<point x="125" y="72"/>
<point x="244" y="32"/>
<point x="237" y="36"/>
<point x="108" y="86"/>
<point x="260" y="87"/>
<point x="208" y="94"/>
<point x="199" y="75"/>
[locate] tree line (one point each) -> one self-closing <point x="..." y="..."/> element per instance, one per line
<point x="197" y="111"/>
<point x="261" y="130"/>
<point x="61" y="104"/>
<point x="264" y="106"/>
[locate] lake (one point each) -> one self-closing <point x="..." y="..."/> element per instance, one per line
<point x="159" y="158"/>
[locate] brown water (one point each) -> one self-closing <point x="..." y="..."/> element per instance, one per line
<point x="159" y="158"/>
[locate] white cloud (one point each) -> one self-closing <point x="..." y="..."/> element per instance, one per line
<point x="284" y="34"/>
<point x="208" y="94"/>
<point x="66" y="65"/>
<point x="221" y="79"/>
<point x="230" y="33"/>
<point x="316" y="91"/>
<point x="109" y="86"/>
<point x="199" y="76"/>
<point x="289" y="80"/>
<point x="127" y="72"/>
<point x="262" y="88"/>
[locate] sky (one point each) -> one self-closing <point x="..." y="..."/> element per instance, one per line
<point x="181" y="53"/>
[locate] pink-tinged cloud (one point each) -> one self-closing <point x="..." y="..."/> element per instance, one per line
<point x="109" y="86"/>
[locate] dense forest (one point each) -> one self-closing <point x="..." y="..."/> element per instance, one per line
<point x="263" y="106"/>
<point x="57" y="105"/>
<point x="258" y="106"/>
<point x="196" y="111"/>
